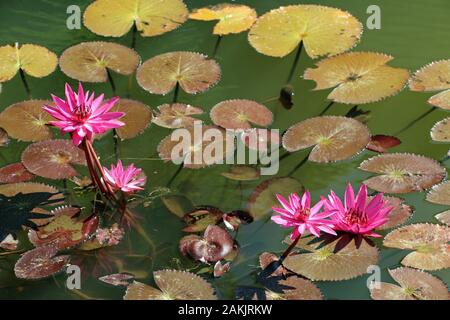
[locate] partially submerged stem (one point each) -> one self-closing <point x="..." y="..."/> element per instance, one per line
<point x="412" y="123"/>
<point x="299" y="165"/>
<point x="111" y="81"/>
<point x="326" y="108"/>
<point x="216" y="46"/>
<point x="175" y="93"/>
<point x="180" y="167"/>
<point x="296" y="60"/>
<point x="133" y="36"/>
<point x="25" y="83"/>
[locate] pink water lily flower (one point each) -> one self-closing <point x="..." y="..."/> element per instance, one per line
<point x="127" y="179"/>
<point x="297" y="213"/>
<point x="357" y="215"/>
<point x="82" y="115"/>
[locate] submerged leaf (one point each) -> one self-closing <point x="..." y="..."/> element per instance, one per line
<point x="117" y="279"/>
<point x="242" y="173"/>
<point x="324" y="31"/>
<point x="233" y="18"/>
<point x="53" y="159"/>
<point x="358" y="77"/>
<point x="173" y="285"/>
<point x="114" y="18"/>
<point x="90" y="61"/>
<point x="402" y="172"/>
<point x="27" y="121"/>
<point x="262" y="198"/>
<point x="333" y="138"/>
<point x="193" y="72"/>
<point x="179" y="205"/>
<point x="414" y="285"/>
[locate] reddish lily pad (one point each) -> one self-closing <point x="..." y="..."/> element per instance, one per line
<point x="380" y="143"/>
<point x="14" y="173"/>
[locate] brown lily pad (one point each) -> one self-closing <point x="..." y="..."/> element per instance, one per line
<point x="176" y="115"/>
<point x="240" y="114"/>
<point x="266" y="259"/>
<point x="333" y="138"/>
<point x="193" y="72"/>
<point x="380" y="143"/>
<point x="441" y="100"/>
<point x="27" y="121"/>
<point x="53" y="159"/>
<point x="14" y="173"/>
<point x="440" y="193"/>
<point x="90" y="61"/>
<point x="295" y="288"/>
<point x="432" y="77"/>
<point x="261" y="139"/>
<point x="441" y="131"/>
<point x="402" y="172"/>
<point x="137" y="117"/>
<point x="444" y="217"/>
<point x="399" y="215"/>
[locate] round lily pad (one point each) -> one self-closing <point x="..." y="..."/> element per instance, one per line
<point x="261" y="139"/>
<point x="444" y="217"/>
<point x="14" y="173"/>
<point x="137" y="117"/>
<point x="398" y="215"/>
<point x="441" y="100"/>
<point x="440" y="193"/>
<point x="441" y="131"/>
<point x="432" y="77"/>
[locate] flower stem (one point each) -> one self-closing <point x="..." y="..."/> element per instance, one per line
<point x="296" y="60"/>
<point x="299" y="165"/>
<point x="25" y="83"/>
<point x="216" y="46"/>
<point x="412" y="123"/>
<point x="133" y="36"/>
<point x="175" y="93"/>
<point x="289" y="249"/>
<point x="111" y="81"/>
<point x="326" y="108"/>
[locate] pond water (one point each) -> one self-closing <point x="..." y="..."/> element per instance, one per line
<point x="415" y="32"/>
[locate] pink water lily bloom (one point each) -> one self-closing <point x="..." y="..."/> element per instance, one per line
<point x="297" y="213"/>
<point x="127" y="179"/>
<point x="357" y="215"/>
<point x="82" y="115"/>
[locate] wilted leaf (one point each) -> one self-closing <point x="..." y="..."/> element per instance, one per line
<point x="220" y="269"/>
<point x="114" y="18"/>
<point x="358" y="77"/>
<point x="323" y="30"/>
<point x="429" y="242"/>
<point x="27" y="121"/>
<point x="14" y="172"/>
<point x="414" y="285"/>
<point x="199" y="219"/>
<point x="233" y="18"/>
<point x="333" y="138"/>
<point x="402" y="172"/>
<point x="262" y="198"/>
<point x="192" y="71"/>
<point x="117" y="279"/>
<point x="39" y="263"/>
<point x="89" y="61"/>
<point x="53" y="159"/>
<point x="173" y="285"/>
<point x="176" y="115"/>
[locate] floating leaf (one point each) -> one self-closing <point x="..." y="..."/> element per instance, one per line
<point x="380" y="142"/>
<point x="176" y="115"/>
<point x="220" y="269"/>
<point x="234" y="219"/>
<point x="242" y="173"/>
<point x="359" y="77"/>
<point x="13" y="189"/>
<point x="270" y="260"/>
<point x="196" y="147"/>
<point x="14" y="172"/>
<point x="39" y="263"/>
<point x="333" y="138"/>
<point x="441" y="100"/>
<point x="432" y="77"/>
<point x="323" y="263"/>
<point x="358" y="114"/>
<point x="34" y="60"/>
<point x="440" y="193"/>
<point x="324" y="31"/>
<point x="192" y="71"/>
<point x="215" y="245"/>
<point x="441" y="131"/>
<point x="179" y="205"/>
<point x="294" y="288"/>
<point x="240" y="114"/>
<point x="444" y="217"/>
<point x="233" y="18"/>
<point x="9" y="243"/>
<point x="4" y="140"/>
<point x="429" y="242"/>
<point x="260" y="139"/>
<point x="137" y="117"/>
<point x="53" y="159"/>
<point x="117" y="279"/>
<point x="262" y="198"/>
<point x="414" y="285"/>
<point x="173" y="285"/>
<point x="90" y="61"/>
<point x="199" y="219"/>
<point x="27" y="121"/>
<point x="402" y="172"/>
<point x="114" y="18"/>
<point x="64" y="231"/>
<point x="399" y="215"/>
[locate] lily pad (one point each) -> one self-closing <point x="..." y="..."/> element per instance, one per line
<point x="432" y="77"/>
<point x="240" y="114"/>
<point x="402" y="172"/>
<point x="200" y="219"/>
<point x="117" y="279"/>
<point x="295" y="288"/>
<point x="444" y="217"/>
<point x="269" y="259"/>
<point x="261" y="139"/>
<point x="441" y="131"/>
<point x="176" y="115"/>
<point x="193" y="72"/>
<point x="324" y="31"/>
<point x="173" y="285"/>
<point x="137" y="117"/>
<point x="233" y="18"/>
<point x="27" y="121"/>
<point x="429" y="243"/>
<point x="380" y="143"/>
<point x="14" y="173"/>
<point x="114" y="18"/>
<point x="53" y="159"/>
<point x="242" y="173"/>
<point x="358" y="77"/>
<point x="262" y="198"/>
<point x="90" y="61"/>
<point x="441" y="100"/>
<point x="440" y="193"/>
<point x="333" y="138"/>
<point x="399" y="215"/>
